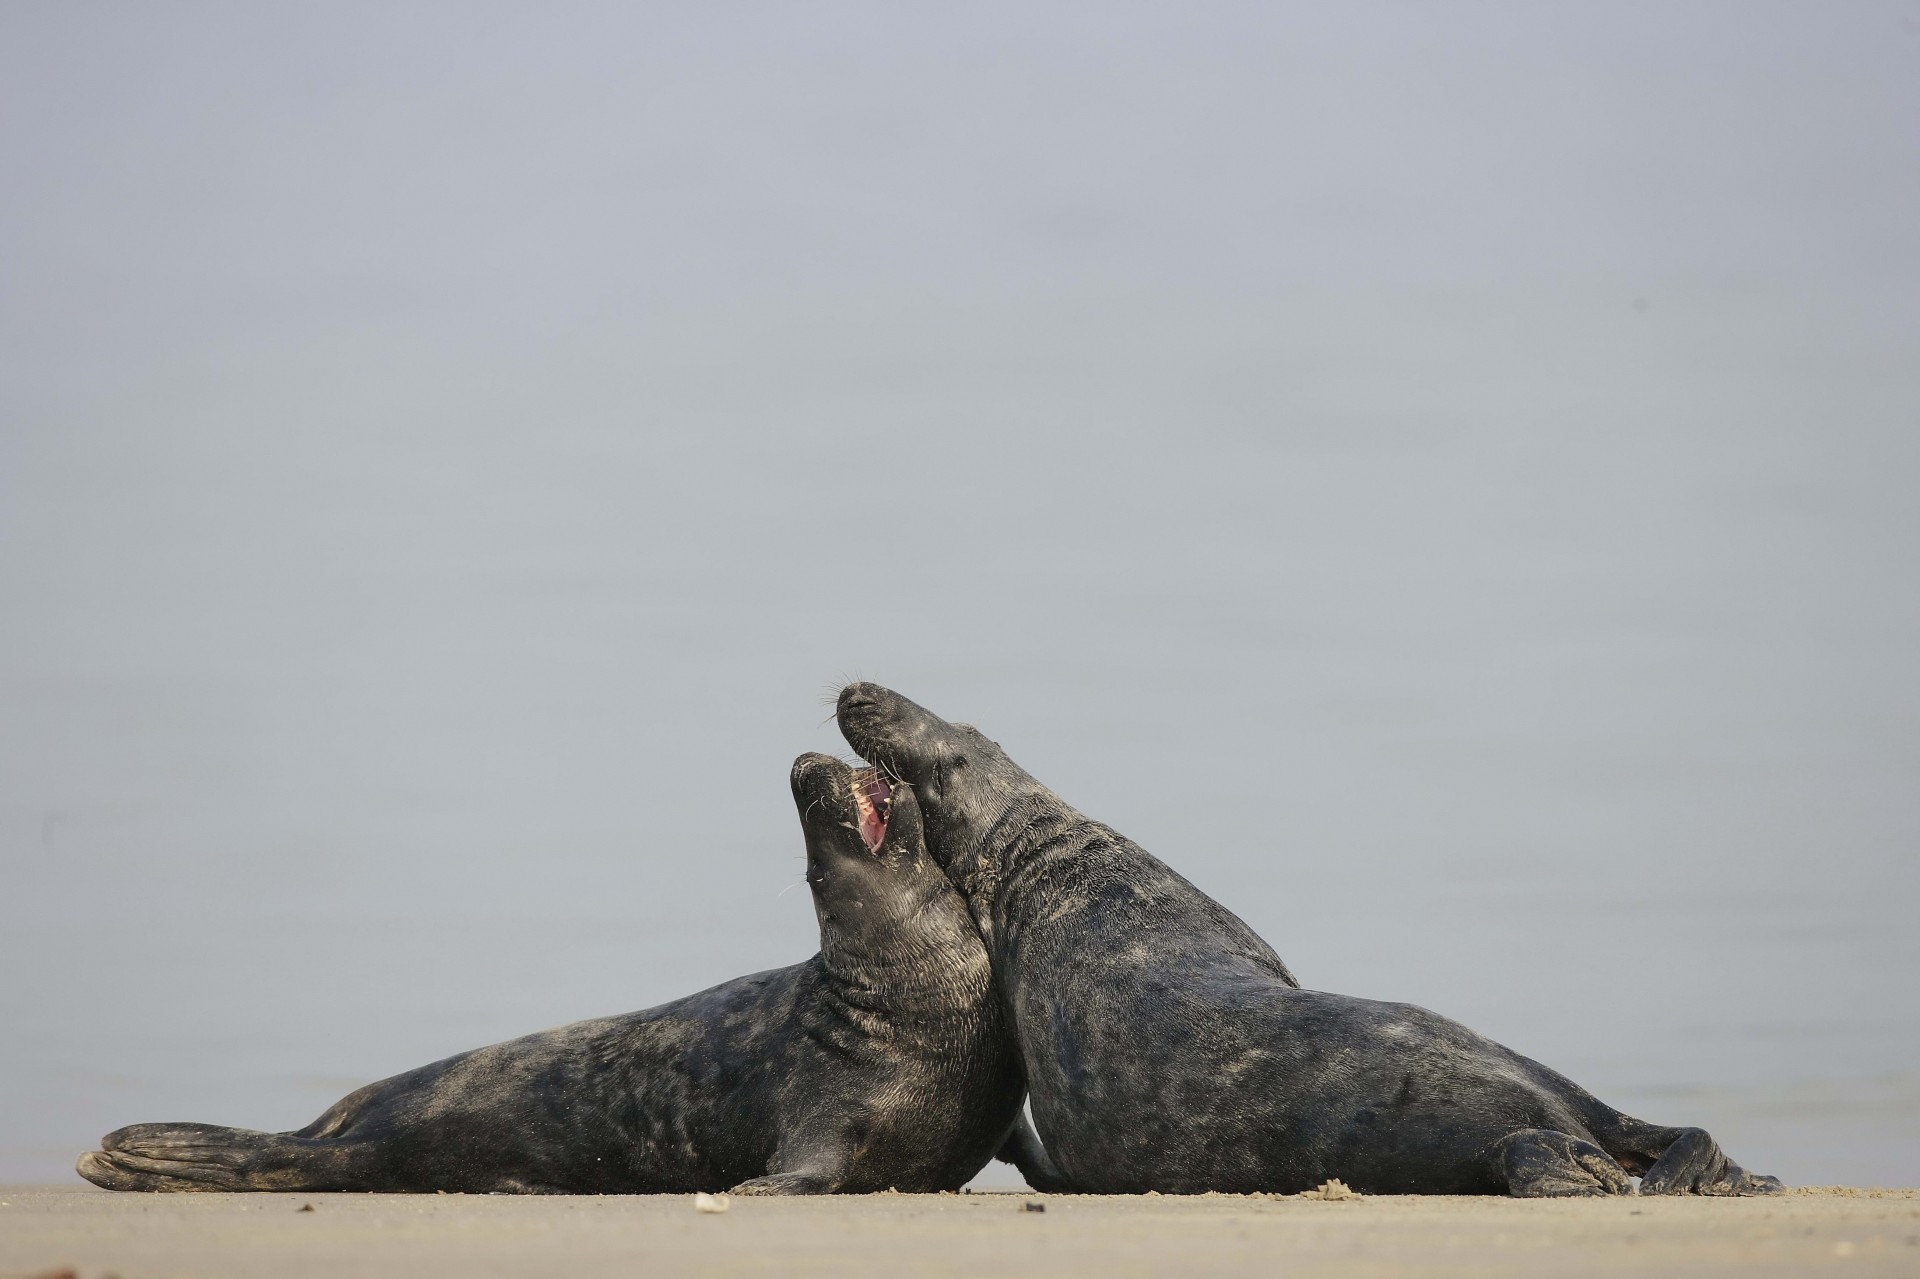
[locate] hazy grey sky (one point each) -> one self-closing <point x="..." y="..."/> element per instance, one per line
<point x="1442" y="476"/>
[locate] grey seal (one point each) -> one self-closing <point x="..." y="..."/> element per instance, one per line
<point x="1169" y="1049"/>
<point x="883" y="1061"/>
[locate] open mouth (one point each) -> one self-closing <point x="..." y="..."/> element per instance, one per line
<point x="873" y="802"/>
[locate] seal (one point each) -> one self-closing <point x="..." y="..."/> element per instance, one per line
<point x="1169" y="1049"/>
<point x="883" y="1061"/>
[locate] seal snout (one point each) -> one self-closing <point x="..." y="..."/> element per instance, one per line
<point x="859" y="696"/>
<point x="807" y="770"/>
<point x="860" y="710"/>
<point x="875" y="720"/>
<point x="859" y="797"/>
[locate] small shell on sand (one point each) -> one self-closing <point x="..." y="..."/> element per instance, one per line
<point x="704" y="1202"/>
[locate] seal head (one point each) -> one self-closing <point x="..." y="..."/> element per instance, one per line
<point x="867" y="862"/>
<point x="966" y="784"/>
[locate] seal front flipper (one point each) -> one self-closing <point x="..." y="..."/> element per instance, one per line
<point x="817" y="1165"/>
<point x="1024" y="1150"/>
<point x="789" y="1183"/>
<point x="1552" y="1165"/>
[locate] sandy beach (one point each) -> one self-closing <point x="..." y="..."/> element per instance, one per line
<point x="49" y="1230"/>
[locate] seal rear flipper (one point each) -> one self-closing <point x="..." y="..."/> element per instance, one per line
<point x="1024" y="1150"/>
<point x="1672" y="1161"/>
<point x="186" y="1157"/>
<point x="1694" y="1164"/>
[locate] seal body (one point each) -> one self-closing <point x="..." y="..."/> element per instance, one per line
<point x="883" y="1061"/>
<point x="1168" y="1048"/>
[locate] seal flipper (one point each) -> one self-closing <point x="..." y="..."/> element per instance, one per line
<point x="1672" y="1161"/>
<point x="1694" y="1164"/>
<point x="177" y="1157"/>
<point x="1024" y="1150"/>
<point x="1540" y="1164"/>
<point x="819" y="1168"/>
<point x="788" y="1183"/>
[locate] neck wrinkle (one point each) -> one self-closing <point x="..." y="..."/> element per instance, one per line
<point x="1030" y="820"/>
<point x="922" y="971"/>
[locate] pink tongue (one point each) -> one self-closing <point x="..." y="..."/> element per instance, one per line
<point x="872" y="829"/>
<point x="873" y="796"/>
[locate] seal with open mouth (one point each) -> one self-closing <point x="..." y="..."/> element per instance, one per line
<point x="1167" y="1047"/>
<point x="883" y="1061"/>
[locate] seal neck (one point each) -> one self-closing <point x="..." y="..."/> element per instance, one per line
<point x="929" y="965"/>
<point x="1042" y="859"/>
<point x="1025" y="829"/>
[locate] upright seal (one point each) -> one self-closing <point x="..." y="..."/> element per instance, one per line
<point x="1167" y="1047"/>
<point x="881" y="1062"/>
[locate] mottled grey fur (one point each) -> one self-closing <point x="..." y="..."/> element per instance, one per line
<point x="1167" y="1047"/>
<point x="882" y="1061"/>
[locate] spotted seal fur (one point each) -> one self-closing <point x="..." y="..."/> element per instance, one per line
<point x="883" y="1061"/>
<point x="1169" y="1049"/>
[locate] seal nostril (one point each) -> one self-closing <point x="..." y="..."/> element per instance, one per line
<point x="856" y="697"/>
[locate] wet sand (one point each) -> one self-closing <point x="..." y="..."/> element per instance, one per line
<point x="48" y="1230"/>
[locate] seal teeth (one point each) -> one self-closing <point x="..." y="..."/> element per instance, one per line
<point x="873" y="803"/>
